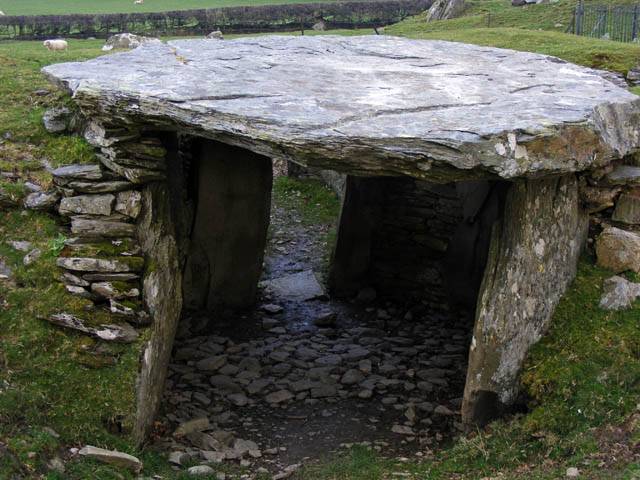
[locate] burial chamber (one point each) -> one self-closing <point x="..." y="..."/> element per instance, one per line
<point x="510" y="131"/>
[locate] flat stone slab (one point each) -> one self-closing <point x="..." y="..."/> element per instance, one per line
<point x="299" y="286"/>
<point x="373" y="105"/>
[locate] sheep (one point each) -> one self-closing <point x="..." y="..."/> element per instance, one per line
<point x="2" y="14"/>
<point x="56" y="44"/>
<point x="138" y="2"/>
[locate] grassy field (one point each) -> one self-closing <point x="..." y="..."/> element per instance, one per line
<point x="61" y="7"/>
<point x="583" y="379"/>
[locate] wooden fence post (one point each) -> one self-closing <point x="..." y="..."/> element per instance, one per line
<point x="634" y="25"/>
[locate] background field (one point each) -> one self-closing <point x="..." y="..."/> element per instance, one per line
<point x="61" y="7"/>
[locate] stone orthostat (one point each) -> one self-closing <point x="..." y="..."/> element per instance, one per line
<point x="369" y="105"/>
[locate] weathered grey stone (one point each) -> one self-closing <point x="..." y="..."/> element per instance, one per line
<point x="279" y="396"/>
<point x="110" y="277"/>
<point x="162" y="291"/>
<point x="20" y="245"/>
<point x="190" y="426"/>
<point x="106" y="265"/>
<point x="120" y="459"/>
<point x="215" y="35"/>
<point x="596" y="199"/>
<point x="32" y="256"/>
<point x="532" y="260"/>
<point x="129" y="203"/>
<point x="211" y="364"/>
<point x="78" y="172"/>
<point x="326" y="319"/>
<point x="70" y="279"/>
<point x="116" y="292"/>
<point x="90" y="227"/>
<point x="444" y="10"/>
<point x="618" y="250"/>
<point x="234" y="197"/>
<point x="619" y="293"/>
<point x="41" y="200"/>
<point x="627" y="209"/>
<point x="299" y="286"/>
<point x="134" y="175"/>
<point x="87" y="205"/>
<point x="128" y="41"/>
<point x="200" y="470"/>
<point x="56" y="120"/>
<point x="115" y="333"/>
<point x="429" y="125"/>
<point x="624" y="175"/>
<point x="99" y="187"/>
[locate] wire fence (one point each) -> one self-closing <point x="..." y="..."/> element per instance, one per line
<point x="619" y="23"/>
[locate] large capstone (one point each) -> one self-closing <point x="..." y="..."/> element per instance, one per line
<point x="369" y="105"/>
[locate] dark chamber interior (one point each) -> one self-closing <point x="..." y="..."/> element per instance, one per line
<point x="380" y="357"/>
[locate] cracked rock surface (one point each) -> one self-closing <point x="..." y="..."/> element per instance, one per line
<point x="370" y="104"/>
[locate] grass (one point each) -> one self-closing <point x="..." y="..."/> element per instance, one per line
<point x="62" y="7"/>
<point x="315" y="201"/>
<point x="531" y="29"/>
<point x="582" y="379"/>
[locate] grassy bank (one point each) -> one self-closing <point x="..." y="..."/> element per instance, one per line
<point x="583" y="379"/>
<point x="63" y="7"/>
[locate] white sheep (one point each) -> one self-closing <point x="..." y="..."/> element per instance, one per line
<point x="56" y="44"/>
<point x="138" y="2"/>
<point x="2" y="14"/>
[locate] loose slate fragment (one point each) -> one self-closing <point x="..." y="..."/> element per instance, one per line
<point x="112" y="457"/>
<point x="299" y="286"/>
<point x="123" y="333"/>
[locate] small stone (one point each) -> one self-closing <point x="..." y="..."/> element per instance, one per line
<point x="215" y="35"/>
<point x="112" y="457"/>
<point x="402" y="430"/>
<point x="193" y="425"/>
<point x="627" y="209"/>
<point x="618" y="250"/>
<point x="326" y="319"/>
<point x="21" y="246"/>
<point x="212" y="364"/>
<point x="443" y="411"/>
<point x="238" y="399"/>
<point x="365" y="394"/>
<point x="279" y="396"/>
<point x="245" y="446"/>
<point x="56" y="464"/>
<point x="32" y="256"/>
<point x="41" y="200"/>
<point x="213" y="456"/>
<point x="129" y="203"/>
<point x="573" y="472"/>
<point x="272" y="308"/>
<point x="352" y="377"/>
<point x="87" y="205"/>
<point x="619" y="293"/>
<point x="178" y="458"/>
<point x="200" y="470"/>
<point x="56" y="120"/>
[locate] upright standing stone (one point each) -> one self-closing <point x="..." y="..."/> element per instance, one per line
<point x="230" y="228"/>
<point x="352" y="254"/>
<point x="532" y="260"/>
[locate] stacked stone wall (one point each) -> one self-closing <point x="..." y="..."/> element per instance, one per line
<point x="417" y="221"/>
